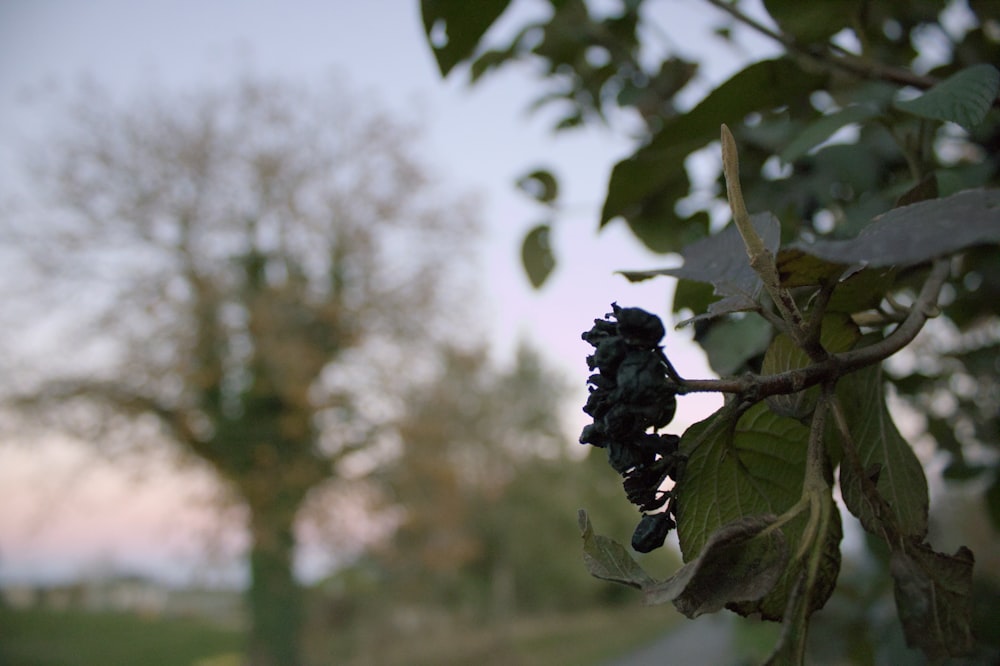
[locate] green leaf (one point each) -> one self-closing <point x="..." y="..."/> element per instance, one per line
<point x="674" y="74"/>
<point x="721" y="260"/>
<point x="919" y="232"/>
<point x="536" y="255"/>
<point x="753" y="467"/>
<point x="692" y="296"/>
<point x="838" y="334"/>
<point x="729" y="343"/>
<point x="790" y="648"/>
<point x="609" y="560"/>
<point x="454" y="27"/>
<point x="862" y="290"/>
<point x="965" y="97"/>
<point x="883" y="454"/>
<point x="541" y="185"/>
<point x="856" y="290"/>
<point x="798" y="269"/>
<point x="737" y="563"/>
<point x="924" y="190"/>
<point x="934" y="598"/>
<point x="810" y="22"/>
<point x="645" y="187"/>
<point x="820" y="130"/>
<point x="822" y="568"/>
<point x="933" y="591"/>
<point x="488" y="61"/>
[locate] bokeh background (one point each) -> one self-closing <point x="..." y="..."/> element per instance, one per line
<point x="431" y="395"/>
<point x="104" y="521"/>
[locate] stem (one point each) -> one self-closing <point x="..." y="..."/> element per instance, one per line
<point x="884" y="516"/>
<point x="756" y="387"/>
<point x="761" y="258"/>
<point x="823" y="56"/>
<point x="814" y="484"/>
<point x="818" y="305"/>
<point x="815" y="478"/>
<point x="731" y="168"/>
<point x="775" y="320"/>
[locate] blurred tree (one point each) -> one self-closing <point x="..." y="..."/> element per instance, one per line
<point x="245" y="265"/>
<point x="486" y="495"/>
<point x="466" y="434"/>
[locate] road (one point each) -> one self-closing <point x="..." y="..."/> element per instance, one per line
<point x="706" y="641"/>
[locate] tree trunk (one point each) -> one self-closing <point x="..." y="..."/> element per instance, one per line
<point x="275" y="600"/>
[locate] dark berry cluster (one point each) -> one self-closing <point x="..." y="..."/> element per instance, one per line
<point x="631" y="397"/>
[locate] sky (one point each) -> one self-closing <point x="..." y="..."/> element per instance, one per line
<point x="66" y="513"/>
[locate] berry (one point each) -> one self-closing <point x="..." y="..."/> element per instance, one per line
<point x="630" y="394"/>
<point x="651" y="531"/>
<point x="638" y="327"/>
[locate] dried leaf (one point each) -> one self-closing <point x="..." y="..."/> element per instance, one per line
<point x="934" y="598"/>
<point x="737" y="563"/>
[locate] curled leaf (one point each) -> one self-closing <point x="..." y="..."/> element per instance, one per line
<point x="741" y="561"/>
<point x="721" y="260"/>
<point x="934" y="598"/>
<point x="609" y="560"/>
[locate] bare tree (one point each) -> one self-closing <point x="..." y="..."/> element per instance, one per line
<point x="250" y="262"/>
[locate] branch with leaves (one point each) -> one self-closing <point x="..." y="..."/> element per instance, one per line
<point x="773" y="548"/>
<point x="757" y="387"/>
<point x="877" y="235"/>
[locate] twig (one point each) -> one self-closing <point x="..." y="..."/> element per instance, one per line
<point x="757" y="387"/>
<point x="815" y="478"/>
<point x="760" y="256"/>
<point x="843" y="61"/>
<point x="822" y="298"/>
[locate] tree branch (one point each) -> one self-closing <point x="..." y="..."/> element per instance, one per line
<point x="844" y="60"/>
<point x="756" y="387"/>
<point x="122" y="398"/>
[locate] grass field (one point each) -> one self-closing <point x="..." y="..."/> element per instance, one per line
<point x="73" y="638"/>
<point x="76" y="638"/>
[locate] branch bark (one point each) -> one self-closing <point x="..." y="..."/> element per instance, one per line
<point x="754" y="388"/>
<point x="831" y="56"/>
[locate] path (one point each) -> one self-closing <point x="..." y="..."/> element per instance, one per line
<point x="706" y="641"/>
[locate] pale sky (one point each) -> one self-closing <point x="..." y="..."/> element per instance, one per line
<point x="56" y="520"/>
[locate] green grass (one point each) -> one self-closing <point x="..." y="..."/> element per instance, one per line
<point x="76" y="638"/>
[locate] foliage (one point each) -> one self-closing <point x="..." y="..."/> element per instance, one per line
<point x="856" y="244"/>
<point x="483" y="461"/>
